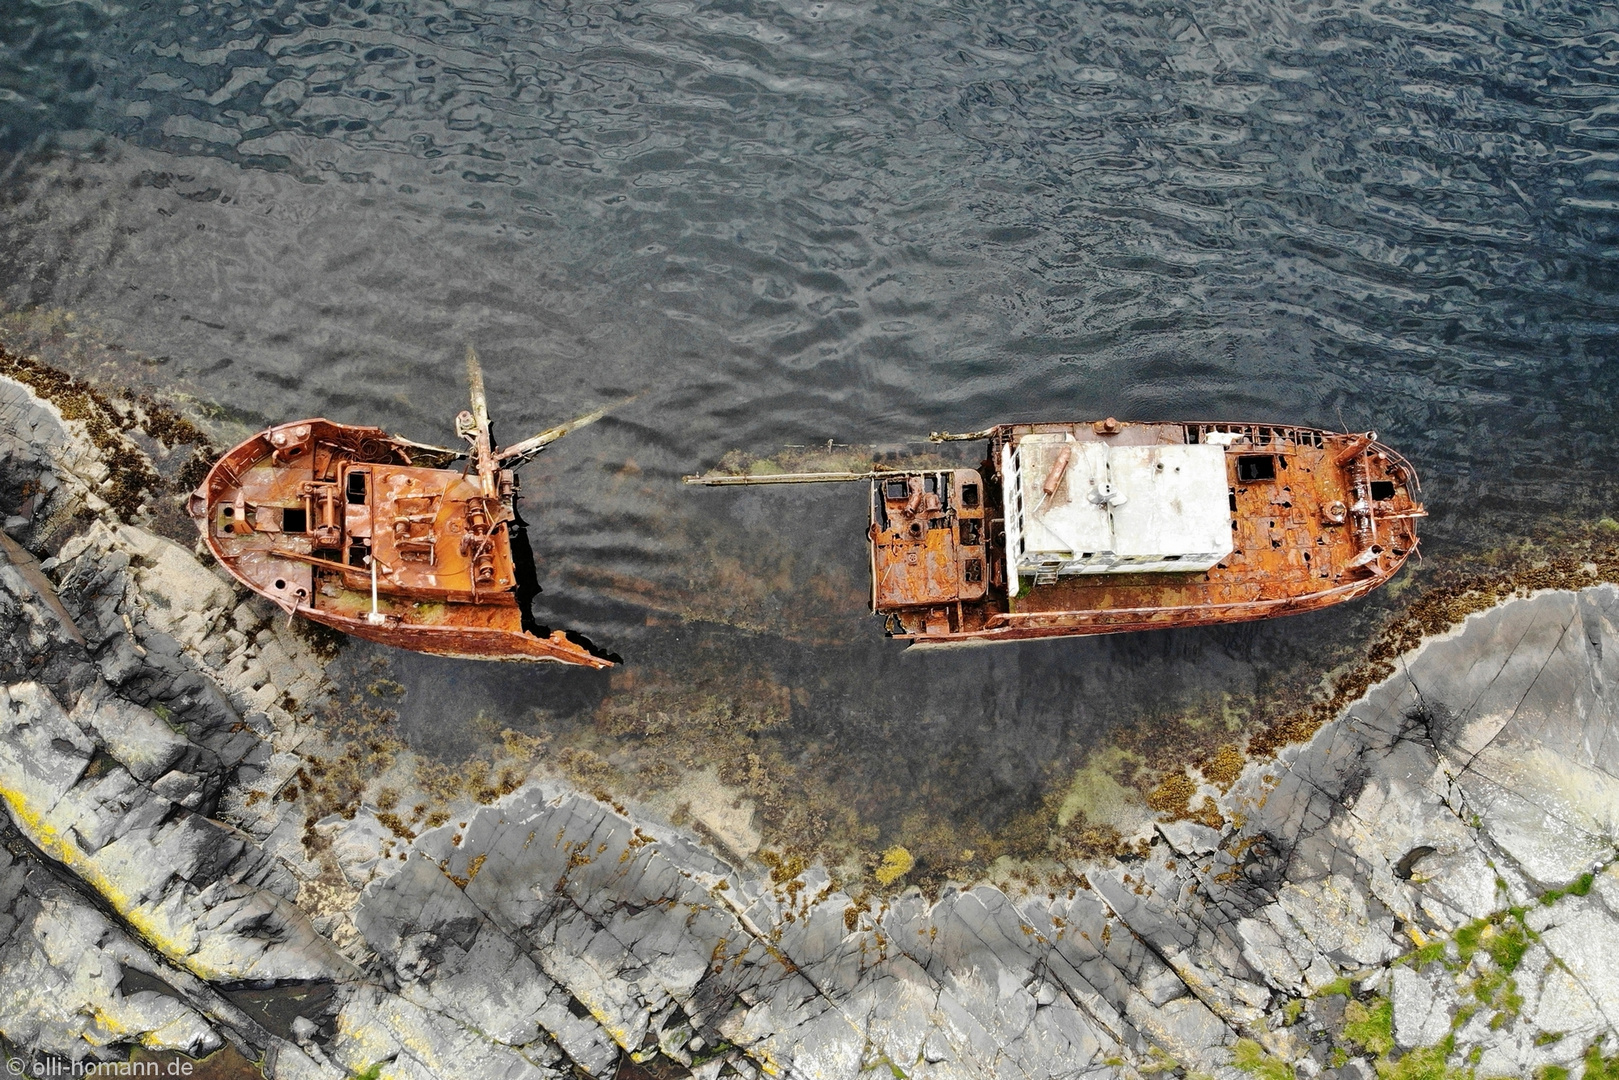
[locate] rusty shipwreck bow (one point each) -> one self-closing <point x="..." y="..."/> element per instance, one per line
<point x="369" y="533"/>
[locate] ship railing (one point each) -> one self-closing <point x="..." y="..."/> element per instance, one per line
<point x="1012" y="508"/>
<point x="1399" y="459"/>
<point x="1259" y="436"/>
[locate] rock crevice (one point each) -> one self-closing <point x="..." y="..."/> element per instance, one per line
<point x="1440" y="854"/>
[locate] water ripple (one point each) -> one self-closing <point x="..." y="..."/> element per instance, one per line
<point x="788" y="222"/>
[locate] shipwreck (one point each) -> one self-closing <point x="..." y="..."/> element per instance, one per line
<point x="1106" y="527"/>
<point x="372" y="534"/>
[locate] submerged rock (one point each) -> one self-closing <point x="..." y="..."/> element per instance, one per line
<point x="1430" y="875"/>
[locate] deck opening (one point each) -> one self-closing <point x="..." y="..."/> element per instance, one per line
<point x="971" y="532"/>
<point x="1252" y="467"/>
<point x="356" y="490"/>
<point x="895" y="489"/>
<point x="973" y="572"/>
<point x="358" y="554"/>
<point x="969" y="496"/>
<point x="1382" y="489"/>
<point x="1233" y="500"/>
<point x="294" y="519"/>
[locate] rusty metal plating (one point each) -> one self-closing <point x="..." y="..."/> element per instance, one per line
<point x="1109" y="526"/>
<point x="367" y="533"/>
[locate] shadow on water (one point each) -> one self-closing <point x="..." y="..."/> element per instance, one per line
<point x="528" y="591"/>
<point x="794" y="222"/>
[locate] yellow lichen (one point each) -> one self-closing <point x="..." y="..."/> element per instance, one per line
<point x="1173" y="796"/>
<point x="897" y="862"/>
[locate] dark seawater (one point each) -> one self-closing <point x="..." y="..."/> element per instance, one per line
<point x="788" y="223"/>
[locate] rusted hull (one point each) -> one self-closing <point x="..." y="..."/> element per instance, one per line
<point x="466" y="643"/>
<point x="358" y="530"/>
<point x="1036" y="543"/>
<point x="1129" y="620"/>
<point x="1104" y="527"/>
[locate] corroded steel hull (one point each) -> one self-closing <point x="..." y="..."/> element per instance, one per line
<point x="1103" y="527"/>
<point x="1317" y="518"/>
<point x="360" y="531"/>
<point x="467" y="643"/>
<point x="1128" y="620"/>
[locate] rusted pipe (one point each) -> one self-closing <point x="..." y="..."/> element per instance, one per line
<point x="1058" y="467"/>
<point x="327" y="533"/>
<point x="786" y="478"/>
<point x="1354" y="449"/>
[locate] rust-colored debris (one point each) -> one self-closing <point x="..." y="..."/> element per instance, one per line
<point x="370" y="534"/>
<point x="1105" y="527"/>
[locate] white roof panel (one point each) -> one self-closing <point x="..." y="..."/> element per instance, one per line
<point x="1066" y="524"/>
<point x="1122" y="508"/>
<point x="1179" y="500"/>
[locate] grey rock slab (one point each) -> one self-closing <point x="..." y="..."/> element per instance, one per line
<point x="900" y="1016"/>
<point x="1188" y="838"/>
<point x="141" y="742"/>
<point x="23" y="578"/>
<point x="165" y="870"/>
<point x="1530" y="735"/>
<point x="450" y="957"/>
<point x="1423" y="1007"/>
<point x="60" y="988"/>
<point x="42" y="753"/>
<point x="182" y="788"/>
<point x="1184" y="1027"/>
<point x="290" y="1062"/>
<point x="1549" y="826"/>
<point x="414" y="1043"/>
<point x="1333" y="916"/>
<point x="1585" y="942"/>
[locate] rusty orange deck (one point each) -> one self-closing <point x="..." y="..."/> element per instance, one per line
<point x="1315" y="518"/>
<point x="369" y="534"/>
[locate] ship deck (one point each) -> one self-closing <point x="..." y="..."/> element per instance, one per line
<point x="1296" y="543"/>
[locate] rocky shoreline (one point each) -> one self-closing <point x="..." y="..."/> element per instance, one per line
<point x="1425" y="885"/>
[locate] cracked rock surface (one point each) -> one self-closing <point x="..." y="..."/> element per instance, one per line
<point x="152" y="882"/>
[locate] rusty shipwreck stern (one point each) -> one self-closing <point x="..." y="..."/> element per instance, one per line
<point x="1103" y="527"/>
<point x="371" y="534"/>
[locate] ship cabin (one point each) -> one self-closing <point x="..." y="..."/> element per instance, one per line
<point x="1081" y="527"/>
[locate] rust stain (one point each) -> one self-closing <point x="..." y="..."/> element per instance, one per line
<point x="1316" y="518"/>
<point x="367" y="533"/>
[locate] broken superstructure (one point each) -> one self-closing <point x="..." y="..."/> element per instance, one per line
<point x="369" y="533"/>
<point x="1106" y="526"/>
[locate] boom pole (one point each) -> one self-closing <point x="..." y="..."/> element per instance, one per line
<point x="721" y="480"/>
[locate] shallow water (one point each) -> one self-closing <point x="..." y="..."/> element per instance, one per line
<point x="783" y="224"/>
